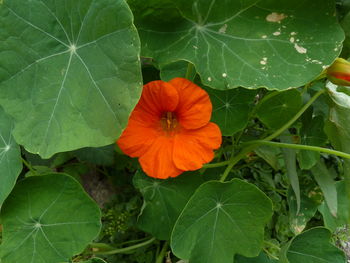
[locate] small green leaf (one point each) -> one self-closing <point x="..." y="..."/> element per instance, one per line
<point x="99" y="155"/>
<point x="94" y="260"/>
<point x="337" y="126"/>
<point x="175" y="70"/>
<point x="220" y="220"/>
<point x="312" y="134"/>
<point x="231" y="109"/>
<point x="326" y="182"/>
<point x="310" y="199"/>
<point x="343" y="214"/>
<point x="270" y="154"/>
<point x="164" y="201"/>
<point x="262" y="258"/>
<point x="247" y="43"/>
<point x="47" y="219"/>
<point x="312" y="246"/>
<point x="69" y="72"/>
<point x="278" y="107"/>
<point x="290" y="162"/>
<point x="10" y="156"/>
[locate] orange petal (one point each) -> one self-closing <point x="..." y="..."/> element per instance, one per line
<point x="158" y="160"/>
<point x="194" y="108"/>
<point x="136" y="138"/>
<point x="193" y="148"/>
<point x="157" y="97"/>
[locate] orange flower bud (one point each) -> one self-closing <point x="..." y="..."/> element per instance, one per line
<point x="339" y="72"/>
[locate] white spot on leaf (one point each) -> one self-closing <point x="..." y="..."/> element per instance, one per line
<point x="209" y="78"/>
<point x="224" y="75"/>
<point x="264" y="36"/>
<point x="263" y="61"/>
<point x="275" y="17"/>
<point x="223" y="29"/>
<point x="300" y="49"/>
<point x="277" y="33"/>
<point x="292" y="39"/>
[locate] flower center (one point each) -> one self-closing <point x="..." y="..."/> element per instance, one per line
<point x="169" y="122"/>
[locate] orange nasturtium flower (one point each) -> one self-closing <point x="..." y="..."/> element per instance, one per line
<point x="169" y="129"/>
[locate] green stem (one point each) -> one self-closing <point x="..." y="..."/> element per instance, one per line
<point x="234" y="160"/>
<point x="125" y="249"/>
<point x="301" y="147"/>
<point x="189" y="71"/>
<point x="26" y="164"/>
<point x="296" y="116"/>
<point x="160" y="258"/>
<point x="215" y="165"/>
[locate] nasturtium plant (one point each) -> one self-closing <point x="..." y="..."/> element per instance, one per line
<point x="178" y="131"/>
<point x="69" y="72"/>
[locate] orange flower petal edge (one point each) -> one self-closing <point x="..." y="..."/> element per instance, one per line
<point x="170" y="129"/>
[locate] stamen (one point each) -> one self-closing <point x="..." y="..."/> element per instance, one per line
<point x="169" y="122"/>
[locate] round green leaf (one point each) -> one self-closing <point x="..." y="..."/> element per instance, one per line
<point x="312" y="246"/>
<point x="164" y="201"/>
<point x="10" y="156"/>
<point x="276" y="44"/>
<point x="47" y="219"/>
<point x="220" y="220"/>
<point x="278" y="107"/>
<point x="69" y="71"/>
<point x="231" y="109"/>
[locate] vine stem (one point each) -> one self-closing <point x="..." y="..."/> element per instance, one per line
<point x="190" y="68"/>
<point x="126" y="249"/>
<point x="252" y="145"/>
<point x="162" y="253"/>
<point x="215" y="165"/>
<point x="296" y="116"/>
<point x="26" y="164"/>
<point x="302" y="147"/>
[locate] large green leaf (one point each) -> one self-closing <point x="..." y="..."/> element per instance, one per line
<point x="333" y="222"/>
<point x="231" y="109"/>
<point x="10" y="157"/>
<point x="47" y="219"/>
<point x="220" y="220"/>
<point x="69" y="71"/>
<point x="312" y="246"/>
<point x="164" y="201"/>
<point x="276" y="44"/>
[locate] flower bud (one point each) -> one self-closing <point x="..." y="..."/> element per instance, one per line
<point x="339" y="72"/>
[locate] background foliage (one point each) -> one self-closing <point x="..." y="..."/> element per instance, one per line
<point x="71" y="72"/>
